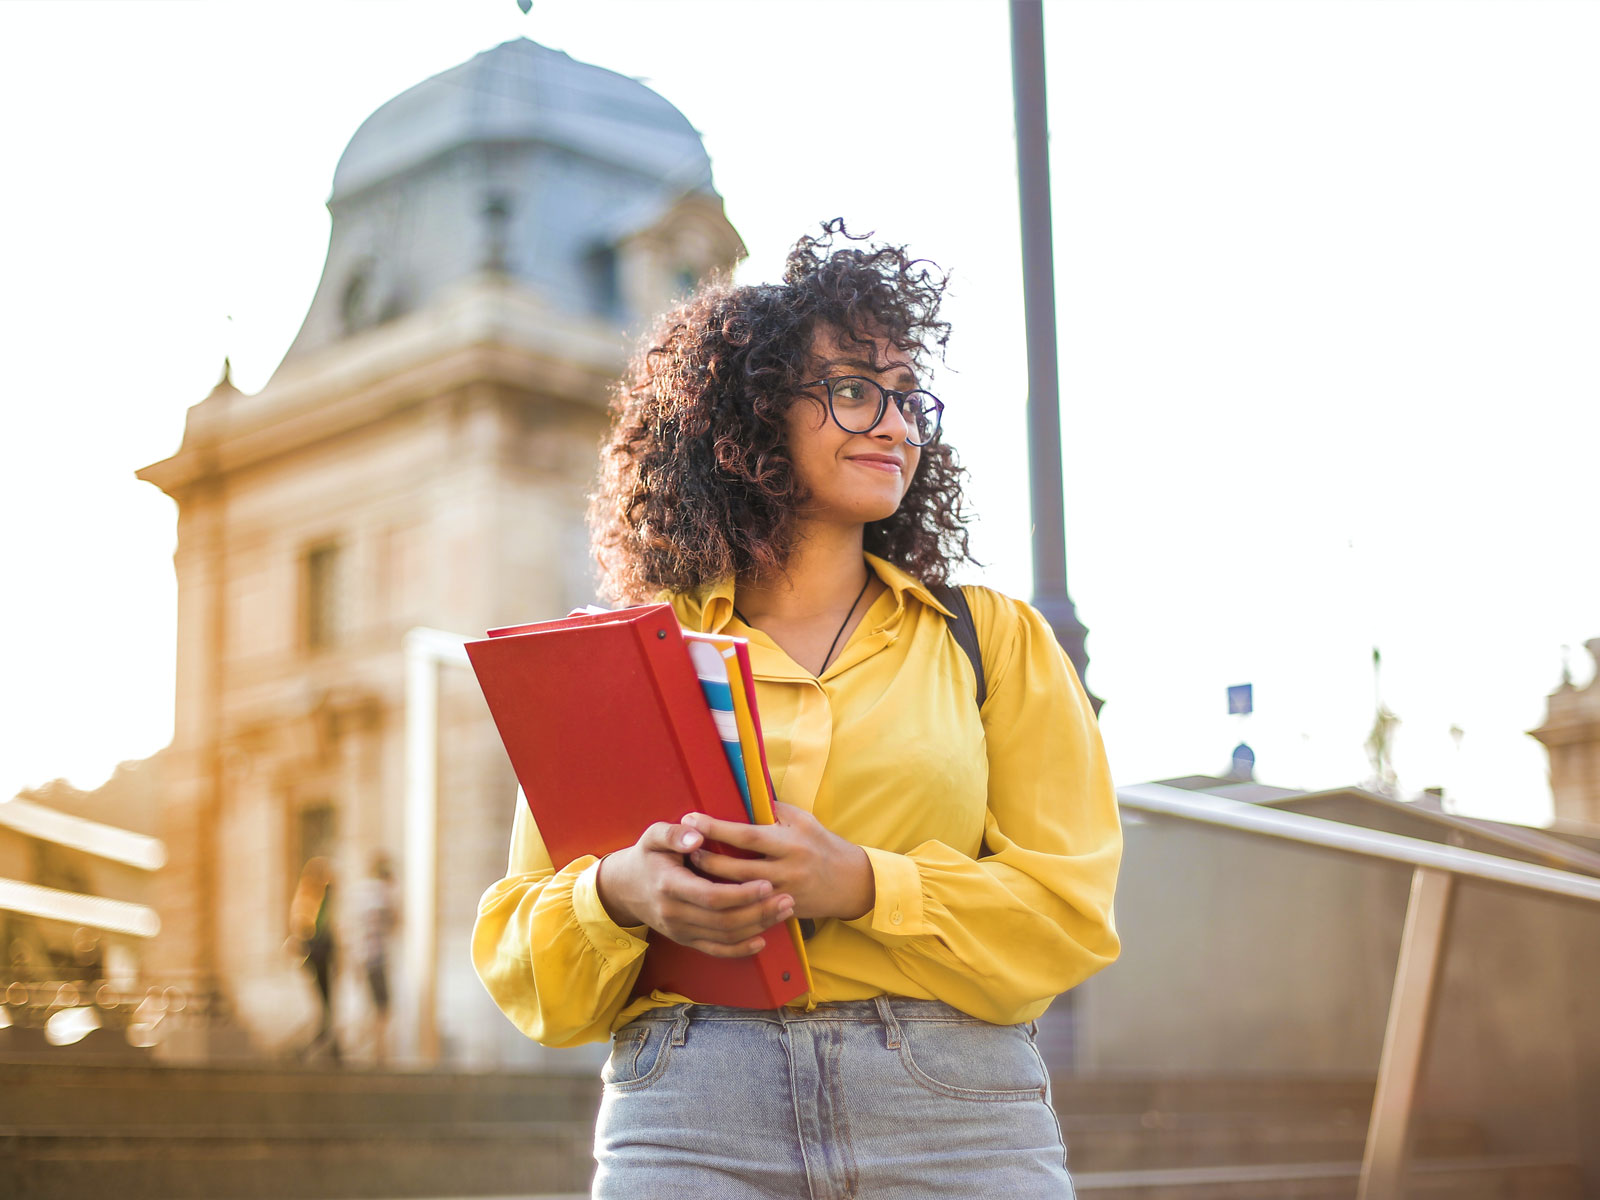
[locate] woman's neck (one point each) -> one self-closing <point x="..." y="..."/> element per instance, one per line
<point x="824" y="572"/>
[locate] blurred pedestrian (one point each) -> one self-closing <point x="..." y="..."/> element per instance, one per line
<point x="311" y="927"/>
<point x="376" y="914"/>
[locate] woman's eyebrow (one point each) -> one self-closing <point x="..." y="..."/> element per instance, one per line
<point x="870" y="368"/>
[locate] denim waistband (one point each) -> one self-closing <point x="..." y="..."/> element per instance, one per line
<point x="880" y="1010"/>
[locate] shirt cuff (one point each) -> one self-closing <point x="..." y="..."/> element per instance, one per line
<point x="897" y="910"/>
<point x="617" y="944"/>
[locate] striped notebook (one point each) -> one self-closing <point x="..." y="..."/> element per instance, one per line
<point x="712" y="670"/>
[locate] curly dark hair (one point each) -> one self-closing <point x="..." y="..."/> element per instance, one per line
<point x="696" y="483"/>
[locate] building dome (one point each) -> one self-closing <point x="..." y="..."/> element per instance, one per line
<point x="577" y="184"/>
<point x="523" y="92"/>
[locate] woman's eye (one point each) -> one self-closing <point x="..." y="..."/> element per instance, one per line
<point x="851" y="391"/>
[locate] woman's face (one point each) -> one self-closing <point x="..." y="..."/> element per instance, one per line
<point x="852" y="478"/>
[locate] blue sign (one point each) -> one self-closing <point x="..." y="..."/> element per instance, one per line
<point x="1239" y="700"/>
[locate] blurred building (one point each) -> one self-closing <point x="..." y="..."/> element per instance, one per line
<point x="421" y="457"/>
<point x="1571" y="734"/>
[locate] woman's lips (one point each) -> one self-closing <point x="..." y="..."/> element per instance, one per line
<point x="878" y="462"/>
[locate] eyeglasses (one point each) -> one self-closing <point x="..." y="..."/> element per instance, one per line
<point x="857" y="404"/>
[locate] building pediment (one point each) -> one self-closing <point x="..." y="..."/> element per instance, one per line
<point x="486" y="330"/>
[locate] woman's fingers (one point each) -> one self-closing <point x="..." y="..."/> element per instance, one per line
<point x="688" y="923"/>
<point x="670" y="838"/>
<point x="734" y="870"/>
<point x="763" y="839"/>
<point x="739" y="950"/>
<point x="686" y="887"/>
<point x="726" y="916"/>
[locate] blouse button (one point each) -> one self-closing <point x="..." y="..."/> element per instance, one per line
<point x="894" y="919"/>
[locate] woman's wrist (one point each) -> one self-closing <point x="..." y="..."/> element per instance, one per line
<point x="605" y="886"/>
<point x="859" y="891"/>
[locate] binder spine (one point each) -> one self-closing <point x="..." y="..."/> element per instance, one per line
<point x="662" y="645"/>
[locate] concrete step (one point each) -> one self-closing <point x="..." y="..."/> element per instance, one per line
<point x="145" y="1131"/>
<point x="1486" y="1178"/>
<point x="54" y="1093"/>
<point x="502" y="1158"/>
<point x="306" y="1164"/>
<point x="1121" y="1141"/>
<point x="1323" y="1094"/>
<point x="42" y="1094"/>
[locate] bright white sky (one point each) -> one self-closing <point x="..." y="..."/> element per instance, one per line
<point x="1327" y="280"/>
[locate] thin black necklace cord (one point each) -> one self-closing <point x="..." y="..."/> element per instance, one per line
<point x="834" y="644"/>
<point x="828" y="657"/>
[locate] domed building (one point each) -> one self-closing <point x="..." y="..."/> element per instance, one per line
<point x="420" y="459"/>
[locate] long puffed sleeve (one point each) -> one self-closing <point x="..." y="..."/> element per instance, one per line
<point x="547" y="951"/>
<point x="999" y="931"/>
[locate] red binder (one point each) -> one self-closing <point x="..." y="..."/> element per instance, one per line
<point x="608" y="732"/>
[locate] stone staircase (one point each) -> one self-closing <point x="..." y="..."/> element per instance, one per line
<point x="288" y="1133"/>
<point x="1279" y="1138"/>
<point x="142" y="1132"/>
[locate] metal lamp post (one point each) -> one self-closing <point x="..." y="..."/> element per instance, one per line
<point x="1038" y="287"/>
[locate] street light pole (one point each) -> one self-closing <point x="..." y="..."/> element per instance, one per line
<point x="1039" y="298"/>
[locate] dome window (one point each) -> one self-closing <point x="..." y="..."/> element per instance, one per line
<point x="357" y="305"/>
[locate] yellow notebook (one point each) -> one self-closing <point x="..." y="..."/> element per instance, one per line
<point x="742" y="686"/>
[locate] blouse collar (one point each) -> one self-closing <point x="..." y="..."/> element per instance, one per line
<point x="711" y="608"/>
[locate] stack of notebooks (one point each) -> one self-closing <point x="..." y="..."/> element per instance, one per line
<point x="616" y="720"/>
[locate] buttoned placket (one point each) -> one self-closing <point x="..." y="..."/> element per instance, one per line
<point x="799" y="784"/>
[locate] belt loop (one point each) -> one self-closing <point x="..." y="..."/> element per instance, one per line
<point x="680" y="1027"/>
<point x="891" y="1024"/>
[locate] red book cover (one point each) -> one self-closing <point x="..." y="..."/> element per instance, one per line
<point x="608" y="732"/>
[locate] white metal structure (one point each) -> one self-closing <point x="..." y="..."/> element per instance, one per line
<point x="95" y="912"/>
<point x="91" y="837"/>
<point x="426" y="650"/>
<point x="80" y="833"/>
<point x="1435" y="869"/>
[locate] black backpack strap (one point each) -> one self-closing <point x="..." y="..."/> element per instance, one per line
<point x="965" y="631"/>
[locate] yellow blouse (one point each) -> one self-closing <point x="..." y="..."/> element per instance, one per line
<point x="993" y="837"/>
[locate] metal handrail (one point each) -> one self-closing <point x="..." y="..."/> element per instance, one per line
<point x="1161" y="800"/>
<point x="1418" y="973"/>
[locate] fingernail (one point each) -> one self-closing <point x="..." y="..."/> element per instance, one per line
<point x="764" y="889"/>
<point x="758" y="945"/>
<point x="690" y="818"/>
<point x="689" y="839"/>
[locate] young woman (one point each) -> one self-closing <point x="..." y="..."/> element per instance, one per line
<point x="775" y="469"/>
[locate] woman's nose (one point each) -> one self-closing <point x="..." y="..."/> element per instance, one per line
<point x="892" y="424"/>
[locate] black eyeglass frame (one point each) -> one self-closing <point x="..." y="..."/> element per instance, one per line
<point x="885" y="397"/>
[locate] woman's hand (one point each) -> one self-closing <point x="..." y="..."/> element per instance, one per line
<point x="647" y="884"/>
<point x="800" y="857"/>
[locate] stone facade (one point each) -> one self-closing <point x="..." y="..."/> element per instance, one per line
<point x="1571" y="734"/>
<point x="428" y="466"/>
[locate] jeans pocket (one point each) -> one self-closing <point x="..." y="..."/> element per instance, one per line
<point x="638" y="1055"/>
<point x="971" y="1061"/>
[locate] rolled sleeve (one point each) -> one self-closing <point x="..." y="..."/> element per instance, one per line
<point x="545" y="949"/>
<point x="897" y="910"/>
<point x="619" y="945"/>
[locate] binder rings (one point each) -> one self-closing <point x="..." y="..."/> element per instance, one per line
<point x="608" y="731"/>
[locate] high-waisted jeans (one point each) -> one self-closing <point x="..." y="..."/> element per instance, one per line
<point x="886" y="1099"/>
